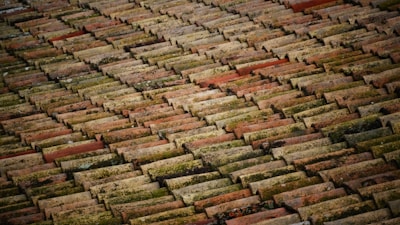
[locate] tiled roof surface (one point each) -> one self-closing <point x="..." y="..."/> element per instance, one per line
<point x="199" y="112"/>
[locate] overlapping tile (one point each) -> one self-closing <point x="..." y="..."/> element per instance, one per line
<point x="240" y="87"/>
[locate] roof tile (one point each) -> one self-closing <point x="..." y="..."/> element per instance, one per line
<point x="100" y="173"/>
<point x="263" y="216"/>
<point x="176" y="213"/>
<point x="143" y="211"/>
<point x="63" y="215"/>
<point x="183" y="220"/>
<point x="18" y="212"/>
<point x="191" y="198"/>
<point x="51" y="153"/>
<point x="367" y="217"/>
<point x="121" y="207"/>
<point x="222" y="207"/>
<point x="336" y="214"/>
<point x="155" y="24"/>
<point x="307" y="211"/>
<point x="141" y="192"/>
<point x="314" y="168"/>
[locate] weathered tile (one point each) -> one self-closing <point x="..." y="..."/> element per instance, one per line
<point x="105" y="216"/>
<point x="125" y="134"/>
<point x="149" y="210"/>
<point x="191" y="198"/>
<point x="90" y="162"/>
<point x="126" y="195"/>
<point x="367" y="110"/>
<point x="339" y="213"/>
<point x="316" y="167"/>
<point x="117" y="209"/>
<point x="14" y="163"/>
<point x="376" y="165"/>
<point x="119" y="184"/>
<point x="145" y="155"/>
<point x="307" y="211"/>
<point x="217" y="158"/>
<point x="58" y="201"/>
<point x="63" y="215"/>
<point x="277" y="180"/>
<point x="177" y="169"/>
<point x="222" y="207"/>
<point x="177" y="213"/>
<point x="372" y="217"/>
<point x="274" y="216"/>
<point x="183" y="220"/>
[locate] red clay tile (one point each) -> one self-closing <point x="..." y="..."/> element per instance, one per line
<point x="299" y="6"/>
<point x="74" y="150"/>
<point x="31" y="218"/>
<point x="247" y="70"/>
<point x="37" y="136"/>
<point x="63" y="37"/>
<point x="126" y="216"/>
<point x="258" y="217"/>
<point x="19" y="212"/>
<point x="379" y="180"/>
<point x="314" y="198"/>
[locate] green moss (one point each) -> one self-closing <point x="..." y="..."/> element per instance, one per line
<point x="267" y="192"/>
<point x="304" y="106"/>
<point x="336" y="132"/>
<point x="138" y="196"/>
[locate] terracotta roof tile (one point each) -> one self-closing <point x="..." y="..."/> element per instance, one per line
<point x="82" y="155"/>
<point x="177" y="213"/>
<point x="191" y="198"/>
<point x="193" y="219"/>
<point x="31" y="218"/>
<point x="256" y="172"/>
<point x="239" y="28"/>
<point x="192" y="145"/>
<point x="216" y="158"/>
<point x="367" y="217"/>
<point x="242" y="7"/>
<point x="179" y="8"/>
<point x="8" y="164"/>
<point x="307" y="211"/>
<point x="222" y="207"/>
<point x="150" y="154"/>
<point x="264" y="217"/>
<point x="70" y="166"/>
<point x="20" y="14"/>
<point x="388" y="221"/>
<point x="116" y="185"/>
<point x="51" y="153"/>
<point x="276" y="180"/>
<point x="33" y="136"/>
<point x="376" y="140"/>
<point x="391" y="26"/>
<point x="392" y="156"/>
<point x="378" y="165"/>
<point x="63" y="215"/>
<point x="144" y="211"/>
<point x="5" y="216"/>
<point x="290" y="158"/>
<point x="91" y="218"/>
<point x="336" y="214"/>
<point x="325" y="160"/>
<point x="375" y="189"/>
<point x="112" y="6"/>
